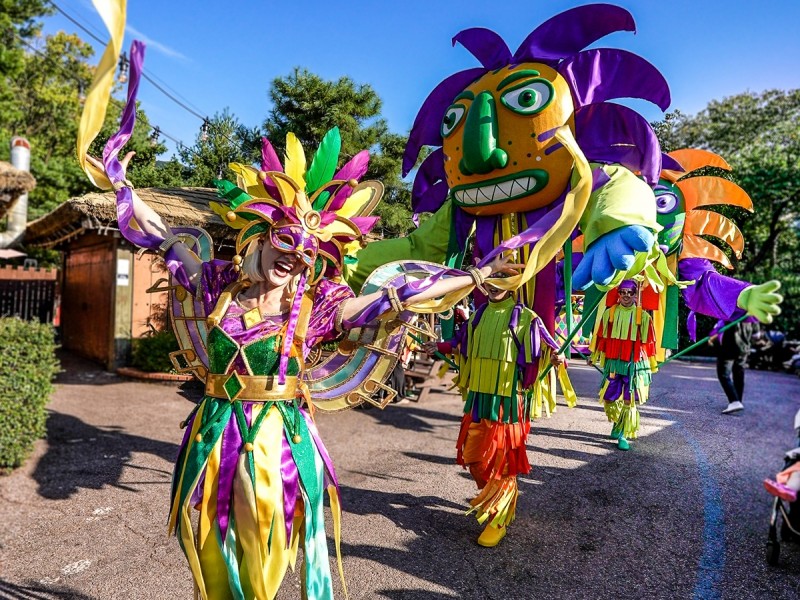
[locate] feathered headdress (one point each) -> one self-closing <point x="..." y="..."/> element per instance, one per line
<point x="333" y="209"/>
<point x="314" y="212"/>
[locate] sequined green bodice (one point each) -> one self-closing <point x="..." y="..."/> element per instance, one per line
<point x="260" y="357"/>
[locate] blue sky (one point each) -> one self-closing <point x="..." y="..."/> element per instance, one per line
<point x="225" y="54"/>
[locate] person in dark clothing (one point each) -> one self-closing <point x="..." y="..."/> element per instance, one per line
<point x="732" y="351"/>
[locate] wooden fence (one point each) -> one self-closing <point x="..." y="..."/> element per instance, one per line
<point x="29" y="293"/>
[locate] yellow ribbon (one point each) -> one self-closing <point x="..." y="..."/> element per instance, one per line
<point x="94" y="109"/>
<point x="574" y="205"/>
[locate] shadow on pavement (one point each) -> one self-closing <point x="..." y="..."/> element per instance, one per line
<point x="80" y="455"/>
<point x="409" y="417"/>
<point x="34" y="591"/>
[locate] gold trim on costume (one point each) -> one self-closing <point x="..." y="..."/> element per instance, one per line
<point x="253" y="388"/>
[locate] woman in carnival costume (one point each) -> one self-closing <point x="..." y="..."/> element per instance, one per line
<point x="251" y="462"/>
<point x="624" y="344"/>
<point x="500" y="353"/>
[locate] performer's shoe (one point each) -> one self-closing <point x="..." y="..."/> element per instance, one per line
<point x="781" y="491"/>
<point x="491" y="536"/>
<point x="733" y="407"/>
<point x="616" y="431"/>
<point x="623" y="444"/>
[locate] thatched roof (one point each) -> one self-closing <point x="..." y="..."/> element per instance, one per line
<point x="97" y="211"/>
<point x="13" y="183"/>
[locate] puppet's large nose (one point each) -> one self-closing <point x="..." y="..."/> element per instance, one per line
<point x="481" y="154"/>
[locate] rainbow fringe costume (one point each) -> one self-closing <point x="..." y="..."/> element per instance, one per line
<point x="624" y="344"/>
<point x="500" y="353"/>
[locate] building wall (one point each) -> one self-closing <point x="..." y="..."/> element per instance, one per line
<point x="149" y="308"/>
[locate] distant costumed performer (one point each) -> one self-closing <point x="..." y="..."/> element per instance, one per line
<point x="251" y="461"/>
<point x="624" y="344"/>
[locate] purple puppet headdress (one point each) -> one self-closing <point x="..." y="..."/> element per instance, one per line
<point x="606" y="132"/>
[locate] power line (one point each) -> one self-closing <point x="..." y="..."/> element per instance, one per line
<point x="161" y="87"/>
<point x="154" y="128"/>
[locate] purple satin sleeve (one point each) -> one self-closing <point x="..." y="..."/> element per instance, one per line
<point x="215" y="276"/>
<point x="327" y="299"/>
<point x="711" y="294"/>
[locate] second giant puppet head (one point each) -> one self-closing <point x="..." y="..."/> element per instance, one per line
<point x="495" y="124"/>
<point x="680" y="200"/>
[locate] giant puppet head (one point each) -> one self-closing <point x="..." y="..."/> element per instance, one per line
<point x="680" y="198"/>
<point x="495" y="123"/>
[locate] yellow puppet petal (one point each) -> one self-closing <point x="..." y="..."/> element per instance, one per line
<point x="697" y="247"/>
<point x="295" y="160"/>
<point x="706" y="222"/>
<point x="708" y="190"/>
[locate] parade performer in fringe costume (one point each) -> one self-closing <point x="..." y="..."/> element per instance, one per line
<point x="251" y="462"/>
<point x="500" y="353"/>
<point x="625" y="346"/>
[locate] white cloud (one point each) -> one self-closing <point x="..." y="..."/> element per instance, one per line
<point x="151" y="43"/>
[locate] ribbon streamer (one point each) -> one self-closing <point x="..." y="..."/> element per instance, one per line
<point x="94" y="110"/>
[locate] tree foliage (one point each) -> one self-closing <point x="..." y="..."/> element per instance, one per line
<point x="759" y="136"/>
<point x="43" y="80"/>
<point x="224" y="140"/>
<point x="309" y="106"/>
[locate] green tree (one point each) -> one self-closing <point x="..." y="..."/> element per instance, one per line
<point x="309" y="106"/>
<point x="221" y="141"/>
<point x="44" y="103"/>
<point x="759" y="136"/>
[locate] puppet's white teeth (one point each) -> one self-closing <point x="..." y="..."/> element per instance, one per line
<point x="496" y="192"/>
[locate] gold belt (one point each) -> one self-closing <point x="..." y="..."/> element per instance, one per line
<point x="235" y="387"/>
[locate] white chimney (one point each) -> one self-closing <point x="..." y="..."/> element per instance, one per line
<point x="18" y="215"/>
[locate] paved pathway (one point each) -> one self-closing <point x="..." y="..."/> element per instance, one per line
<point x="682" y="515"/>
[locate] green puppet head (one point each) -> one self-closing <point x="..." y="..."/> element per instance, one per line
<point x="671" y="215"/>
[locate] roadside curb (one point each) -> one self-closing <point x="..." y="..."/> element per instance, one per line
<point x="133" y="373"/>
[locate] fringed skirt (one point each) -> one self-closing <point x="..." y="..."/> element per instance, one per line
<point x="626" y="384"/>
<point x="255" y="473"/>
<point x="495" y="453"/>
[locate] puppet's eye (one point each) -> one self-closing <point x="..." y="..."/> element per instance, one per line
<point x="666" y="203"/>
<point x="452" y="118"/>
<point x="529" y="98"/>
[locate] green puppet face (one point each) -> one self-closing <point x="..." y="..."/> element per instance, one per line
<point x="671" y="215"/>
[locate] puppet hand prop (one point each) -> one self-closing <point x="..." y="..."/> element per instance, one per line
<point x="761" y="301"/>
<point x="612" y="252"/>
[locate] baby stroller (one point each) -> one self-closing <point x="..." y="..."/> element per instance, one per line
<point x="785" y="516"/>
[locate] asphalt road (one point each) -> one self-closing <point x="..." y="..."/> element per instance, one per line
<point x="682" y="515"/>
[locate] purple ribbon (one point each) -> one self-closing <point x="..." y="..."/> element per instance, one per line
<point x="114" y="169"/>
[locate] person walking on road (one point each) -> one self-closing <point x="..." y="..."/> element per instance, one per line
<point x="733" y="347"/>
<point x="501" y="352"/>
<point x="624" y="344"/>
